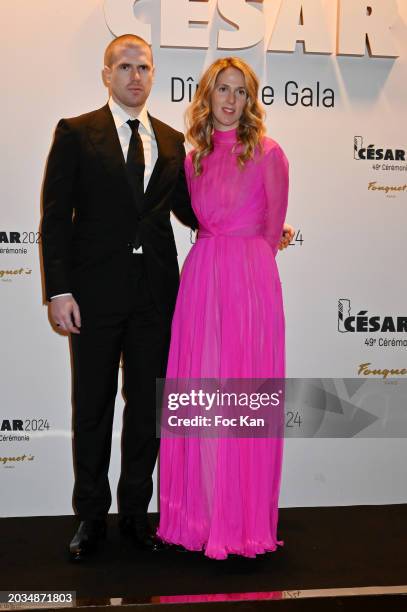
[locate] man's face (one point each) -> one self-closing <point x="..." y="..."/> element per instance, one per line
<point x="130" y="76"/>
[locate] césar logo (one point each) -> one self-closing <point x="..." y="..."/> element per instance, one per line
<point x="371" y="152"/>
<point x="11" y="425"/>
<point x="361" y="322"/>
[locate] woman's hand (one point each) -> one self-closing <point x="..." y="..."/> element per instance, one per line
<point x="287" y="236"/>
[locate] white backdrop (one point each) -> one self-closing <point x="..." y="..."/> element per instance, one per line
<point x="353" y="233"/>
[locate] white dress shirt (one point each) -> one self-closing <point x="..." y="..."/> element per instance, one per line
<point x="120" y="118"/>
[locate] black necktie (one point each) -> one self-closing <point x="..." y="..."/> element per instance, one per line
<point x="135" y="167"/>
<point x="135" y="162"/>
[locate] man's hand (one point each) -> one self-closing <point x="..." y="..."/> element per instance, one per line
<point x="287" y="236"/>
<point x="65" y="314"/>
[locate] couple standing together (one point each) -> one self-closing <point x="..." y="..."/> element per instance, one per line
<point x="111" y="276"/>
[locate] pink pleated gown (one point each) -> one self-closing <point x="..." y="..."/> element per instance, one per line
<point x="221" y="495"/>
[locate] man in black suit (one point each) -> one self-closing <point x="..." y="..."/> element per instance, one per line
<point x="111" y="276"/>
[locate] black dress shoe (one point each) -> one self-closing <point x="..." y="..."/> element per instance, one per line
<point x="178" y="548"/>
<point x="140" y="534"/>
<point x="87" y="538"/>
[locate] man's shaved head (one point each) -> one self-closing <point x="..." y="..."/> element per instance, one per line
<point x="125" y="40"/>
<point x="129" y="72"/>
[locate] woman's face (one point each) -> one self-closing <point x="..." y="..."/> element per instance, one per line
<point x="228" y="99"/>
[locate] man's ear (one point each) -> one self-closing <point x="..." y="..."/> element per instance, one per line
<point x="153" y="72"/>
<point x="107" y="74"/>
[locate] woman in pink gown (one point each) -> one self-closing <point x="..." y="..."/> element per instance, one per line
<point x="220" y="495"/>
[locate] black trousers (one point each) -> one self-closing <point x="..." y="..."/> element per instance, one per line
<point x="138" y="334"/>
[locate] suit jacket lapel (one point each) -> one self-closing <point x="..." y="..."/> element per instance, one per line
<point x="103" y="135"/>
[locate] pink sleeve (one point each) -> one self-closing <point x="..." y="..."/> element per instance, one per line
<point x="275" y="177"/>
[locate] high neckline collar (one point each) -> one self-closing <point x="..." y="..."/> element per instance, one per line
<point x="229" y="136"/>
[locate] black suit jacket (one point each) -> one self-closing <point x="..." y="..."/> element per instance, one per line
<point x="90" y="216"/>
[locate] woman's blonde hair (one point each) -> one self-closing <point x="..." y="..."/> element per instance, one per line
<point x="199" y="117"/>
